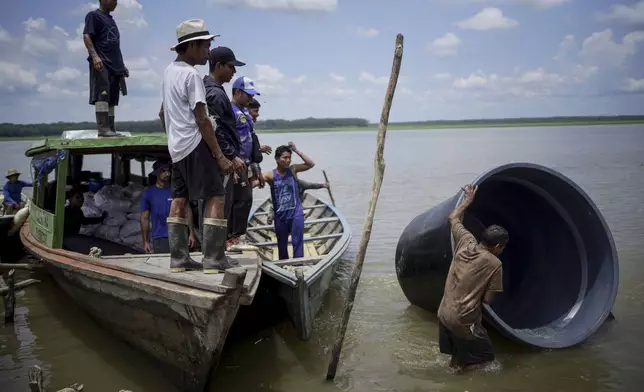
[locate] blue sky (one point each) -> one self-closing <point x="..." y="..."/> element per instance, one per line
<point x="332" y="58"/>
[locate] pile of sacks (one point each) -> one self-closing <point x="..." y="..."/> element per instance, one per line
<point x="122" y="224"/>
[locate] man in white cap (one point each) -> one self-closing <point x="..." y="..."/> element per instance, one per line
<point x="198" y="164"/>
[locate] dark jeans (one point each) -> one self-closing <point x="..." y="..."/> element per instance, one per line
<point x="294" y="227"/>
<point x="239" y="201"/>
<point x="464" y="352"/>
<point x="160" y="245"/>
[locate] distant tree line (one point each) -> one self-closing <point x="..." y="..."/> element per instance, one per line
<point x="524" y="120"/>
<point x="55" y="129"/>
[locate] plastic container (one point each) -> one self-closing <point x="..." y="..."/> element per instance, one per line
<point x="560" y="267"/>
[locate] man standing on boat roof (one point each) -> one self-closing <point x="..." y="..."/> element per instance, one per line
<point x="222" y="63"/>
<point x="287" y="206"/>
<point x="107" y="72"/>
<point x="155" y="207"/>
<point x="198" y="163"/>
<point x="474" y="277"/>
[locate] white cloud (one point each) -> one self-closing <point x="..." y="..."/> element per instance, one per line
<point x="541" y="4"/>
<point x="39" y="40"/>
<point x="64" y="75"/>
<point x="600" y="48"/>
<point x="526" y="84"/>
<point x="442" y="76"/>
<point x="281" y="5"/>
<point x="77" y="44"/>
<point x="633" y="85"/>
<point x="4" y="35"/>
<point x="567" y="46"/>
<point x="13" y="76"/>
<point x="446" y="45"/>
<point x="269" y="79"/>
<point x="370" y="78"/>
<point x="300" y="79"/>
<point x="632" y="15"/>
<point x="367" y="32"/>
<point x="488" y="19"/>
<point x="336" y="77"/>
<point x="127" y="13"/>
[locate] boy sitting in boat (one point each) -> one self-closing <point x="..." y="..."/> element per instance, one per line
<point x="285" y="195"/>
<point x="74" y="219"/>
<point x="12" y="192"/>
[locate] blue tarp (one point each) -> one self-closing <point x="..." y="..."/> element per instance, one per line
<point x="44" y="165"/>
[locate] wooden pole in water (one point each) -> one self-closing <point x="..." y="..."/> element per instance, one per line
<point x="329" y="187"/>
<point x="379" y="171"/>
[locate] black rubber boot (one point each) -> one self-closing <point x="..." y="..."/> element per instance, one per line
<point x="103" y="120"/>
<point x="178" y="234"/>
<point x="215" y="233"/>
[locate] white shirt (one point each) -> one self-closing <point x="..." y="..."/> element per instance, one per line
<point x="183" y="88"/>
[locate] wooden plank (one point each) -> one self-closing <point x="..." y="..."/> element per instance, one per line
<point x="299" y="260"/>
<point x="306" y="223"/>
<point x="158" y="267"/>
<point x="318" y="238"/>
<point x="260" y="213"/>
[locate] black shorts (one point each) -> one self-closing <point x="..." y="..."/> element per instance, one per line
<point x="197" y="175"/>
<point x="104" y="81"/>
<point x="465" y="351"/>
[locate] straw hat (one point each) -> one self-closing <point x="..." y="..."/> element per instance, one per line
<point x="12" y="172"/>
<point x="192" y="30"/>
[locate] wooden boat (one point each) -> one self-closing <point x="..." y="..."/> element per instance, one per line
<point x="303" y="282"/>
<point x="180" y="320"/>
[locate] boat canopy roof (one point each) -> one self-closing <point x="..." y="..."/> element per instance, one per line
<point x="87" y="142"/>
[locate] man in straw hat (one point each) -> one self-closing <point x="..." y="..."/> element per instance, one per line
<point x="106" y="68"/>
<point x="12" y="192"/>
<point x="198" y="163"/>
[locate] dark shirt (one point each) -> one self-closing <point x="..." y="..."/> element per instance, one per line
<point x="219" y="105"/>
<point x="74" y="219"/>
<point x="101" y="27"/>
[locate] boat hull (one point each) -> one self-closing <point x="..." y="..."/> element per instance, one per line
<point x="183" y="332"/>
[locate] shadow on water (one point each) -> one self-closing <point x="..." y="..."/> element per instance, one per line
<point x="53" y="332"/>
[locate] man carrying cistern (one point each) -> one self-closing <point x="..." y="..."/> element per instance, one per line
<point x="106" y="68"/>
<point x="198" y="163"/>
<point x="12" y="192"/>
<point x="155" y="208"/>
<point x="287" y="206"/>
<point x="474" y="277"/>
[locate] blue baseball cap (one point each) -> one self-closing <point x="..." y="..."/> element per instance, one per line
<point x="245" y="84"/>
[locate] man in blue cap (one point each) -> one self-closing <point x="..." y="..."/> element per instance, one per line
<point x="242" y="201"/>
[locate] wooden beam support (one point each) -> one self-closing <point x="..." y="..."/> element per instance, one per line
<point x="306" y="223"/>
<point x="299" y="260"/>
<point x="304" y="208"/>
<point x="306" y="239"/>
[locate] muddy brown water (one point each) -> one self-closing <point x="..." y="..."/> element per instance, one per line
<point x="390" y="345"/>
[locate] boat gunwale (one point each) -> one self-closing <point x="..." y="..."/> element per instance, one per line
<point x="61" y="258"/>
<point x="328" y="259"/>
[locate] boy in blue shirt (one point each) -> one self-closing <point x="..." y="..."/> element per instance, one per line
<point x="12" y="192"/>
<point x="155" y="208"/>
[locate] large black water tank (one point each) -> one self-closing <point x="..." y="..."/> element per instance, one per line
<point x="560" y="268"/>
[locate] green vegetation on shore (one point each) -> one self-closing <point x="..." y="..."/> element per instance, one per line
<point x="36" y="131"/>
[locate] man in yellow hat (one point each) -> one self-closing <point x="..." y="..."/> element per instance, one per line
<point x="12" y="192"/>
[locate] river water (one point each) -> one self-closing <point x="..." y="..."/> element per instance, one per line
<point x="390" y="345"/>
